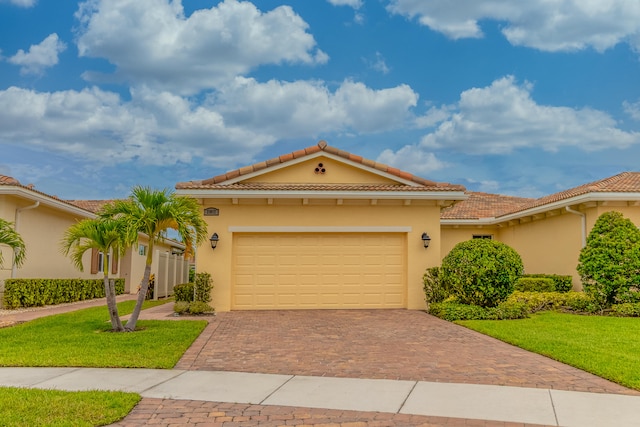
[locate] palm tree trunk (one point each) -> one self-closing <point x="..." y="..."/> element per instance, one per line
<point x="110" y="294"/>
<point x="142" y="295"/>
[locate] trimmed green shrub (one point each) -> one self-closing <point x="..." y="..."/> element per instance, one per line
<point x="199" y="307"/>
<point x="183" y="292"/>
<point x="563" y="283"/>
<point x="627" y="309"/>
<point x="481" y="271"/>
<point x="453" y="311"/>
<point x="534" y="284"/>
<point x="204" y="285"/>
<point x="41" y="292"/>
<point x="181" y="307"/>
<point x="632" y="295"/>
<point x="434" y="289"/>
<point x="542" y="301"/>
<point x="610" y="262"/>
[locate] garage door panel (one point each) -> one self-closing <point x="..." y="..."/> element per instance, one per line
<point x="313" y="270"/>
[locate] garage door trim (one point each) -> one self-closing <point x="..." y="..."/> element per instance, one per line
<point x="304" y="229"/>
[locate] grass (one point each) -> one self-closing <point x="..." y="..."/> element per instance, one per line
<point x="33" y="407"/>
<point x="83" y="339"/>
<point x="605" y="346"/>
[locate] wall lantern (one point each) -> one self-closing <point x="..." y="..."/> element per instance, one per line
<point x="426" y="240"/>
<point x="214" y="240"/>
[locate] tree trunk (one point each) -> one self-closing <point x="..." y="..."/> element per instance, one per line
<point x="110" y="294"/>
<point x="142" y="295"/>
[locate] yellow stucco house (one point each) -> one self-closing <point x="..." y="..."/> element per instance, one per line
<point x="42" y="219"/>
<point x="320" y="228"/>
<point x="548" y="232"/>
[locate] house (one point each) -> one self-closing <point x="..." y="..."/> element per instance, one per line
<point x="42" y="220"/>
<point x="548" y="232"/>
<point x="320" y="228"/>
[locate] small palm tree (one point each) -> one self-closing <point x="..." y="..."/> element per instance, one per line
<point x="105" y="235"/>
<point x="154" y="212"/>
<point x="10" y="237"/>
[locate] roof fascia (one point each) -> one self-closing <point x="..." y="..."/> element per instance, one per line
<point x="257" y="194"/>
<point x="314" y="156"/>
<point x="45" y="200"/>
<point x="560" y="204"/>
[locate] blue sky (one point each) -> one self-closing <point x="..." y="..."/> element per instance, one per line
<point x="518" y="98"/>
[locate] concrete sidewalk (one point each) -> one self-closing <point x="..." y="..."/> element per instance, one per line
<point x="482" y="402"/>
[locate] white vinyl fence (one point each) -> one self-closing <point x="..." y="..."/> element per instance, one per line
<point x="169" y="270"/>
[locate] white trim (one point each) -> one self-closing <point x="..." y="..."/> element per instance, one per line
<point x="316" y="229"/>
<point x="45" y="200"/>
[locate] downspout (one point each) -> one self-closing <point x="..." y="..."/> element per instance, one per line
<point x="583" y="217"/>
<point x="14" y="269"/>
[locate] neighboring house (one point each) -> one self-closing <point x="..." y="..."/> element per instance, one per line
<point x="320" y="228"/>
<point x="42" y="220"/>
<point x="548" y="232"/>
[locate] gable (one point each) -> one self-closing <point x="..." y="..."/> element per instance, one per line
<point x="321" y="170"/>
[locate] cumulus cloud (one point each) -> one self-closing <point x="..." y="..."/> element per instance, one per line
<point x="163" y="128"/>
<point x="632" y="109"/>
<point x="39" y="56"/>
<point x="20" y="3"/>
<point x="308" y="108"/>
<point x="352" y="3"/>
<point x="153" y="41"/>
<point x="413" y="158"/>
<point x="503" y="117"/>
<point x="541" y="24"/>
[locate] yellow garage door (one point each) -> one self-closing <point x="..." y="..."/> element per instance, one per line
<point x="312" y="270"/>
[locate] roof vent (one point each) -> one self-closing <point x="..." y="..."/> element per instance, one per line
<point x="320" y="169"/>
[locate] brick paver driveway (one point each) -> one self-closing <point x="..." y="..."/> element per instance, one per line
<point x="390" y="344"/>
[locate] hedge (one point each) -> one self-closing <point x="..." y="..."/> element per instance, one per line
<point x="534" y="284"/>
<point x="40" y="292"/>
<point x="562" y="283"/>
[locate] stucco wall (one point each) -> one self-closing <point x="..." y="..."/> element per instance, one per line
<point x="420" y="216"/>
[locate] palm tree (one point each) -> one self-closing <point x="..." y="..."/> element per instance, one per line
<point x="10" y="237"/>
<point x="105" y="235"/>
<point x="154" y="212"/>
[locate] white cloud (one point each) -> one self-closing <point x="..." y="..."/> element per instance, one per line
<point x="352" y="3"/>
<point x="162" y="128"/>
<point x="20" y="3"/>
<point x="414" y="159"/>
<point x="378" y="64"/>
<point x="307" y="108"/>
<point x="632" y="109"/>
<point x="153" y="41"/>
<point x="550" y="25"/>
<point x="40" y="56"/>
<point x="503" y="117"/>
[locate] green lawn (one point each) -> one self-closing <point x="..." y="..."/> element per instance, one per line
<point x="605" y="346"/>
<point x="33" y="407"/>
<point x="82" y="339"/>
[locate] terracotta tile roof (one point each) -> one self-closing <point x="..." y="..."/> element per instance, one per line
<point x="252" y="186"/>
<point x="8" y="180"/>
<point x="89" y="205"/>
<point x="483" y="205"/>
<point x="217" y="181"/>
<point x="625" y="182"/>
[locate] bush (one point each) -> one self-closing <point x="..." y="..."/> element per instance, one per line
<point x="627" y="309"/>
<point x="196" y="307"/>
<point x="481" y="272"/>
<point x="181" y="307"/>
<point x="609" y="265"/>
<point x="198" y="291"/>
<point x="632" y="295"/>
<point x="563" y="283"/>
<point x="542" y="301"/>
<point x="534" y="284"/>
<point x="40" y="292"/>
<point x="453" y="311"/>
<point x="183" y="292"/>
<point x="434" y="289"/>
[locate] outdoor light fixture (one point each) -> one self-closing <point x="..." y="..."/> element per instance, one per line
<point x="426" y="240"/>
<point x="214" y="240"/>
